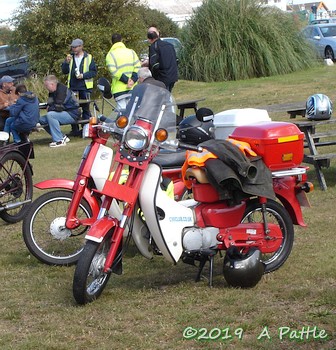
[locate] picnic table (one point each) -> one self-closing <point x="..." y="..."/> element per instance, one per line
<point x="318" y="133"/>
<point x="189" y="104"/>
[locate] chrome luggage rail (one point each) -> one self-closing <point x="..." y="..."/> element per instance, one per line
<point x="289" y="172"/>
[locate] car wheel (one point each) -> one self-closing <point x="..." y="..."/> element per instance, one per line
<point x="329" y="53"/>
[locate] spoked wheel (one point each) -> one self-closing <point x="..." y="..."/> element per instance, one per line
<point x="44" y="230"/>
<point x="16" y="187"/>
<point x="275" y="214"/>
<point x="89" y="278"/>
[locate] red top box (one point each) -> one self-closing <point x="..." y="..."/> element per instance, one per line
<point x="279" y="143"/>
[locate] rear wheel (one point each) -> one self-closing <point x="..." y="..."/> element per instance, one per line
<point x="44" y="230"/>
<point x="276" y="214"/>
<point x="89" y="278"/>
<point x="16" y="186"/>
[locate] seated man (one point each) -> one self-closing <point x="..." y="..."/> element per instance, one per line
<point x="62" y="108"/>
<point x="7" y="98"/>
<point x="145" y="76"/>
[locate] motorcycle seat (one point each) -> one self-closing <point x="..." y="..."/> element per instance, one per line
<point x="170" y="159"/>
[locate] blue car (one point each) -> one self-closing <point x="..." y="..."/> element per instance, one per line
<point x="323" y="38"/>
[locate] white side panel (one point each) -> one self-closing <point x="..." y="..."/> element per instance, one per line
<point x="166" y="230"/>
<point x="140" y="236"/>
<point x="101" y="166"/>
<point x="139" y="232"/>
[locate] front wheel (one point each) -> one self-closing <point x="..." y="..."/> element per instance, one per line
<point x="16" y="186"/>
<point x="329" y="53"/>
<point x="45" y="233"/>
<point x="89" y="278"/>
<point x="276" y="214"/>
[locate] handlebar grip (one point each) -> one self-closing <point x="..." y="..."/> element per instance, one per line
<point x="190" y="147"/>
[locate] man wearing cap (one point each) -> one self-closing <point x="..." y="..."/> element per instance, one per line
<point x="81" y="69"/>
<point x="123" y="65"/>
<point x="7" y="98"/>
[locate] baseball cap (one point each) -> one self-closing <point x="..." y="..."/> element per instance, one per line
<point x="6" y="79"/>
<point x="77" y="42"/>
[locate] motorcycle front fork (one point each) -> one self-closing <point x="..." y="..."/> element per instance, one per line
<point x="71" y="218"/>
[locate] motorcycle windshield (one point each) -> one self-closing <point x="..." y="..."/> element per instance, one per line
<point x="155" y="104"/>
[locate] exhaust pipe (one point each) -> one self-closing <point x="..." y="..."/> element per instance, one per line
<point x="14" y="205"/>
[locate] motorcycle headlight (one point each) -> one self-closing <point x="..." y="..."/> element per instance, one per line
<point x="136" y="138"/>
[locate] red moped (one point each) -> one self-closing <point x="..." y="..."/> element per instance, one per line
<point x="247" y="222"/>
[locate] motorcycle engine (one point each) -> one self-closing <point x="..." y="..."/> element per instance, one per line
<point x="195" y="239"/>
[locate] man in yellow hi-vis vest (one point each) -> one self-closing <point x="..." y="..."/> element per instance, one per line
<point x="123" y="65"/>
<point x="81" y="69"/>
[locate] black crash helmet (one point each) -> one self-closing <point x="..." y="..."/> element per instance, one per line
<point x="243" y="270"/>
<point x="193" y="131"/>
<point x="318" y="107"/>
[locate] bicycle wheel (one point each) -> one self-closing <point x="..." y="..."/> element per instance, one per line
<point x="44" y="230"/>
<point x="16" y="187"/>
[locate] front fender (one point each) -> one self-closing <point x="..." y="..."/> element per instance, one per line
<point x="100" y="229"/>
<point x="55" y="183"/>
<point x="68" y="185"/>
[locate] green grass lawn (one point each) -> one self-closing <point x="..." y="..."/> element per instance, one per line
<point x="151" y="305"/>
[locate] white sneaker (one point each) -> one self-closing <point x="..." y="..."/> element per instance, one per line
<point x="57" y="144"/>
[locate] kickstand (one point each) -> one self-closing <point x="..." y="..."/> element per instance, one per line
<point x="203" y="261"/>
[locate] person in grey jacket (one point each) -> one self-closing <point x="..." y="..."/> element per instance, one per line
<point x="23" y="115"/>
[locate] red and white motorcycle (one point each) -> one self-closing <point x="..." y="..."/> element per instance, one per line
<point x="255" y="231"/>
<point x="54" y="227"/>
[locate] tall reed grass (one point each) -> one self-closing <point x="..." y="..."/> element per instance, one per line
<point x="240" y="39"/>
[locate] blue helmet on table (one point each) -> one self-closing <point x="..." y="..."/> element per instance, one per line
<point x="318" y="107"/>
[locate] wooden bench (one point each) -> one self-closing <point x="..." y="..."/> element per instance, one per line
<point x="295" y="112"/>
<point x="80" y="121"/>
<point x="315" y="140"/>
<point x="323" y="160"/>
